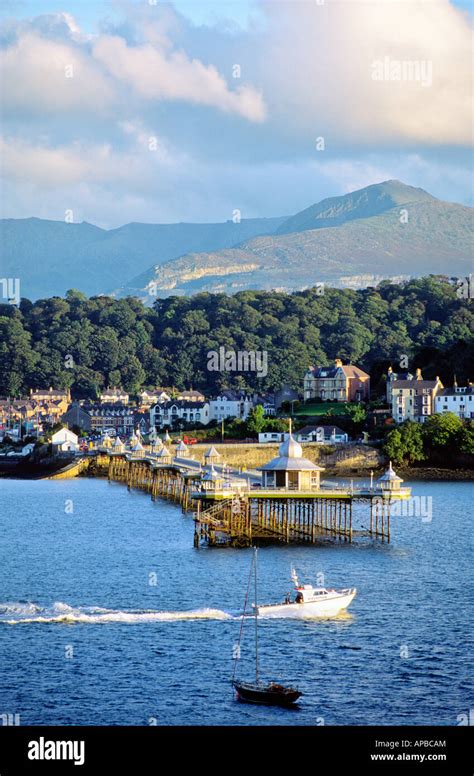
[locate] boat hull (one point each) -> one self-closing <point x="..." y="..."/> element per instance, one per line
<point x="327" y="607"/>
<point x="266" y="695"/>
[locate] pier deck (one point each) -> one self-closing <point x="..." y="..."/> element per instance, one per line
<point x="238" y="514"/>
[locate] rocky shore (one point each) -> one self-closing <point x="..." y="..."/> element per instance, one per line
<point x="435" y="473"/>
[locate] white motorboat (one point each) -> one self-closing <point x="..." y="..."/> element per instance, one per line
<point x="309" y="602"/>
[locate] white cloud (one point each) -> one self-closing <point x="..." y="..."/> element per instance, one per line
<point x="48" y="167"/>
<point x="43" y="73"/>
<point x="317" y="66"/>
<point x="46" y="76"/>
<point x="146" y="128"/>
<point x="157" y="74"/>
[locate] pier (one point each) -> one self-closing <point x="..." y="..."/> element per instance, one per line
<point x="283" y="516"/>
<point x="231" y="509"/>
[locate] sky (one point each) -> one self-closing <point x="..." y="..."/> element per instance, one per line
<point x="195" y="110"/>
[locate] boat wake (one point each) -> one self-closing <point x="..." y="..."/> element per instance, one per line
<point x="22" y="613"/>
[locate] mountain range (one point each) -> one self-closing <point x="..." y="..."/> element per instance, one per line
<point x="386" y="230"/>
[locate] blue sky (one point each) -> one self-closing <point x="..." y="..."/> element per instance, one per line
<point x="187" y="111"/>
<point x="89" y="12"/>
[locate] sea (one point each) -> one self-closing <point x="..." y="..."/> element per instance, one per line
<point x="110" y="616"/>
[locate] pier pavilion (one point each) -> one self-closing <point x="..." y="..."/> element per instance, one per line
<point x="390" y="482"/>
<point x="138" y="451"/>
<point x="164" y="456"/>
<point x="182" y="450"/>
<point x="118" y="446"/>
<point x="211" y="456"/>
<point x="290" y="470"/>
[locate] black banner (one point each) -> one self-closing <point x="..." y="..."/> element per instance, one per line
<point x="110" y="750"/>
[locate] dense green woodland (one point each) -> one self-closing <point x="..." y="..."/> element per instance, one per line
<point x="88" y="344"/>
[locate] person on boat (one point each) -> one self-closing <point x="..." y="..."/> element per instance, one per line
<point x="287" y="598"/>
<point x="299" y="598"/>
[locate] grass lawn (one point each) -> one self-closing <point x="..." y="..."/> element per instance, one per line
<point x="322" y="408"/>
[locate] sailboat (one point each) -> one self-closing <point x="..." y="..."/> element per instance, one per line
<point x="273" y="693"/>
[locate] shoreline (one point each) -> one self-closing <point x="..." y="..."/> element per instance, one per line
<point x="436" y="473"/>
<point x="433" y="473"/>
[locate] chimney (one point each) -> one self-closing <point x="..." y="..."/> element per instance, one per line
<point x="418" y="374"/>
<point x="338" y="362"/>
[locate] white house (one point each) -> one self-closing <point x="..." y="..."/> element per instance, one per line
<point x="168" y="412"/>
<point x="114" y="396"/>
<point x="230" y="404"/>
<point x="272" y="436"/>
<point x="65" y="441"/>
<point x="323" y="434"/>
<point x="268" y="404"/>
<point x="152" y="396"/>
<point x="191" y="396"/>
<point x="459" y="400"/>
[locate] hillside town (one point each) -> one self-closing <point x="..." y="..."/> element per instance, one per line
<point x="328" y="391"/>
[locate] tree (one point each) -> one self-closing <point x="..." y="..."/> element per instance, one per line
<point x="357" y="413"/>
<point x="256" y="420"/>
<point x="442" y="430"/>
<point x="17" y="358"/>
<point x="405" y="444"/>
<point x="125" y="343"/>
<point x="466" y="439"/>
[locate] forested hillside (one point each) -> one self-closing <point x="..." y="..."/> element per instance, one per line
<point x="90" y="343"/>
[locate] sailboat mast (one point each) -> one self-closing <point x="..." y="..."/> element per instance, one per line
<point x="256" y="618"/>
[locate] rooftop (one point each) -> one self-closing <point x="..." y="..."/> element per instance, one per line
<point x="290" y="458"/>
<point x="327" y="430"/>
<point x="415" y="384"/>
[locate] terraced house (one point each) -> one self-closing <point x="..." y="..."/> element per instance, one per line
<point x="414" y="399"/>
<point x="167" y="413"/>
<point x="336" y="383"/>
<point x="105" y="417"/>
<point x="459" y="399"/>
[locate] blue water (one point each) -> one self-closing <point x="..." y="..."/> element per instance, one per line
<point x="81" y="584"/>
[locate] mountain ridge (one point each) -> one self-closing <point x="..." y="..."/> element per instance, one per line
<point x="413" y="233"/>
<point x="388" y="229"/>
